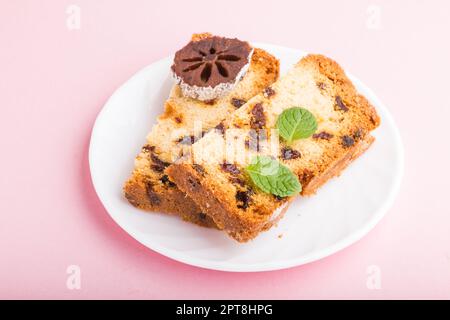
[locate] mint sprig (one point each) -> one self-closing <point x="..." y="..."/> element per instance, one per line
<point x="296" y="123"/>
<point x="273" y="177"/>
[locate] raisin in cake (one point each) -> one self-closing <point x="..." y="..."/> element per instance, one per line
<point x="225" y="192"/>
<point x="149" y="187"/>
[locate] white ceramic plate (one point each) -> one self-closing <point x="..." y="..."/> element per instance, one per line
<point x="342" y="212"/>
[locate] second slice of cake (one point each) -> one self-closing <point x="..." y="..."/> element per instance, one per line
<point x="149" y="187"/>
<point x="226" y="192"/>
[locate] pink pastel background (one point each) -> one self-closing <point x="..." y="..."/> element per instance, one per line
<point x="53" y="83"/>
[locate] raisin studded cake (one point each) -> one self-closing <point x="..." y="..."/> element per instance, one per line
<point x="149" y="187"/>
<point x="224" y="190"/>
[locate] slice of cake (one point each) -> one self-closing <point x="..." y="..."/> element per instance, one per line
<point x="186" y="117"/>
<point x="334" y="129"/>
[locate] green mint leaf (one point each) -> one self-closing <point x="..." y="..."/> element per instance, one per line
<point x="296" y="123"/>
<point x="273" y="177"/>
